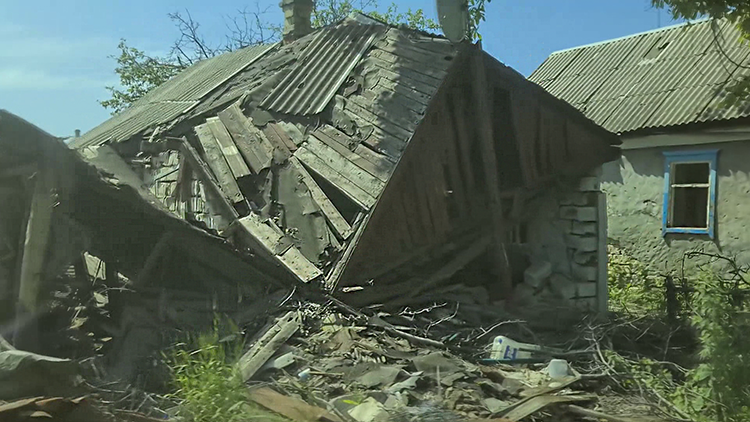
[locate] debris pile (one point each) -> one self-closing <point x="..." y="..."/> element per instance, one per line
<point x="334" y="363"/>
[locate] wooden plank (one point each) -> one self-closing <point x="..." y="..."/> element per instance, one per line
<point x="482" y="92"/>
<point x="386" y="112"/>
<point x="228" y="148"/>
<point x="222" y="205"/>
<point x="285" y="138"/>
<point x="280" y="151"/>
<point x="341" y="182"/>
<point x="333" y="278"/>
<point x="290" y="407"/>
<point x="451" y="158"/>
<point x="414" y="62"/>
<point x="218" y="164"/>
<point x="292" y="258"/>
<point x="379" y="140"/>
<point x="339" y="224"/>
<point x="381" y="161"/>
<point x="381" y="94"/>
<point x="268" y="344"/>
<point x="352" y="157"/>
<point x="252" y="146"/>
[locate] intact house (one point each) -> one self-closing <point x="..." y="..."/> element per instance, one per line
<point x="377" y="162"/>
<point x="682" y="182"/>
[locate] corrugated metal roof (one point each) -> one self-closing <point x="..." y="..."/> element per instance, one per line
<point x="661" y="78"/>
<point x="173" y="97"/>
<point x="322" y="69"/>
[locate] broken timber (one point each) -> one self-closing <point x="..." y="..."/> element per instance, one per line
<point x="218" y="164"/>
<point x="204" y="175"/>
<point x="340" y="226"/>
<point x="248" y="138"/>
<point x="228" y="148"/>
<point x="269" y="239"/>
<point x="487" y="143"/>
<point x="290" y="407"/>
<point x="267" y="345"/>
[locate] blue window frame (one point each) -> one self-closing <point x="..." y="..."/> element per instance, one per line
<point x="689" y="192"/>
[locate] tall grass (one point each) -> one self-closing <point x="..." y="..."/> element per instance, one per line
<point x="207" y="382"/>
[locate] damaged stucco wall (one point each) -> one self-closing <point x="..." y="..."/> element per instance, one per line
<point x="566" y="243"/>
<point x="635" y="191"/>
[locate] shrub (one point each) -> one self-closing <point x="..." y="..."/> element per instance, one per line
<point x="207" y="382"/>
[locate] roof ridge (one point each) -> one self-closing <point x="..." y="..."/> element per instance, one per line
<point x="638" y="34"/>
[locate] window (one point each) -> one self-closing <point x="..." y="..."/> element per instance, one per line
<point x="689" y="192"/>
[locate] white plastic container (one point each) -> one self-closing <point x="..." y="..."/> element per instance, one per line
<point x="558" y="369"/>
<point x="504" y="348"/>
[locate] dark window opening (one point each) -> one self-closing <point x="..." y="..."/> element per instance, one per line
<point x="348" y="208"/>
<point x="689" y="194"/>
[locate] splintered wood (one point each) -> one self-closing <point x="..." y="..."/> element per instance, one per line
<point x="268" y="344"/>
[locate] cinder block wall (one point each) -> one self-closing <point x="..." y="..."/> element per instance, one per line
<point x="567" y="244"/>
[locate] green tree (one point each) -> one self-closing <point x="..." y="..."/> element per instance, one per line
<point x="139" y="72"/>
<point x="735" y="11"/>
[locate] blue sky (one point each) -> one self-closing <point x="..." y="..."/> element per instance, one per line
<point x="54" y="61"/>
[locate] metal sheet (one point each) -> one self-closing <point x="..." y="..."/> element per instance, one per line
<point x="173" y="97"/>
<point x="322" y="69"/>
<point x="673" y="67"/>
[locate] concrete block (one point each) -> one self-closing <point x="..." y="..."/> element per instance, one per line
<point x="575" y="198"/>
<point x="585" y="258"/>
<point x="583" y="272"/>
<point x="586" y="289"/>
<point x="589" y="184"/>
<point x="583" y="227"/>
<point x="582" y="243"/>
<point x="537" y="273"/>
<point x="563" y="287"/>
<point x="586" y="304"/>
<point x="578" y="213"/>
<point x="597" y="172"/>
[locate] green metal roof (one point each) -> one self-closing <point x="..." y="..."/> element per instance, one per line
<point x="666" y="77"/>
<point x="174" y="97"/>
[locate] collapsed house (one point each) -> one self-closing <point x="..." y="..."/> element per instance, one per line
<point x="71" y="232"/>
<point x="376" y="162"/>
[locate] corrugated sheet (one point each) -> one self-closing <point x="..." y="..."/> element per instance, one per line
<point x="667" y="77"/>
<point x="325" y="65"/>
<point x="173" y="97"/>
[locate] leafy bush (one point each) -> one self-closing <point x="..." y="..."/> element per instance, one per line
<point x="633" y="287"/>
<point x="720" y="313"/>
<point x="718" y="389"/>
<point x="208" y="384"/>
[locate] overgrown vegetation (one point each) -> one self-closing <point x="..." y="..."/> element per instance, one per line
<point x="206" y="380"/>
<point x="712" y="301"/>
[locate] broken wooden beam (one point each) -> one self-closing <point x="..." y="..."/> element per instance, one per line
<point x="253" y="147"/>
<point x="225" y="209"/>
<point x="217" y="163"/>
<point x="228" y="148"/>
<point x="36" y="240"/>
<point x="268" y="344"/>
<point x="483" y="102"/>
<point x="291" y="258"/>
<point x="290" y="407"/>
<point x="339" y="224"/>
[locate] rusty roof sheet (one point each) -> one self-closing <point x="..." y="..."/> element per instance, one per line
<point x="173" y="97"/>
<point x="668" y="77"/>
<point x="322" y="69"/>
